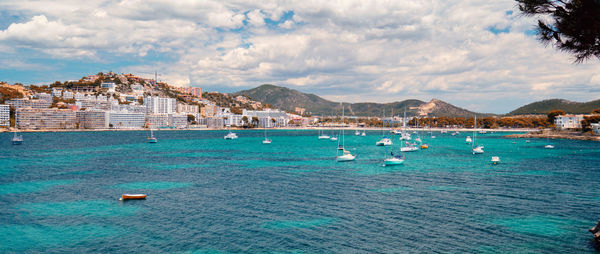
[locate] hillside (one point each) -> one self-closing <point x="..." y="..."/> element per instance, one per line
<point x="288" y="99"/>
<point x="546" y="106"/>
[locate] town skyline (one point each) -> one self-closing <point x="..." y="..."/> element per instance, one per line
<point x="478" y="55"/>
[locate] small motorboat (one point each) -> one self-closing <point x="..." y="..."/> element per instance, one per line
<point x="266" y="141"/>
<point x="478" y="150"/>
<point x="549" y="146"/>
<point x="333" y="139"/>
<point x="384" y="142"/>
<point x="527" y="141"/>
<point x="495" y="160"/>
<point x="132" y="196"/>
<point x="424" y="146"/>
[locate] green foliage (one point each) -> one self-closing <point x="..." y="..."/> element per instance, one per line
<point x="553" y="114"/>
<point x="545" y="106"/>
<point x="587" y="121"/>
<point x="191" y="118"/>
<point x="572" y="26"/>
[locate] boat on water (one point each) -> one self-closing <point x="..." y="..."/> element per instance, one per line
<point x="333" y="138"/>
<point x="322" y="135"/>
<point x="495" y="160"/>
<point x="17" y="139"/>
<point x="385" y="141"/>
<point x="363" y="134"/>
<point x="548" y="146"/>
<point x="357" y="133"/>
<point x="527" y="141"/>
<point x="346" y="155"/>
<point x="476" y="149"/>
<point x="410" y="147"/>
<point x="424" y="146"/>
<point x="132" y="196"/>
<point x="267" y="140"/>
<point x="230" y="135"/>
<point x="393" y="159"/>
<point x="152" y="139"/>
<point x="468" y="140"/>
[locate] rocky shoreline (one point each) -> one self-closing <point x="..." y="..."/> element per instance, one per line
<point x="556" y="135"/>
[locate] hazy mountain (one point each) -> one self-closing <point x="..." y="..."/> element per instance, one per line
<point x="288" y="99"/>
<point x="546" y="106"/>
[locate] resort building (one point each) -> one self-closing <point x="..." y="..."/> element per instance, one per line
<point x="57" y="92"/>
<point x="564" y="122"/>
<point x="46" y="118"/>
<point x="109" y="85"/>
<point x="67" y="95"/>
<point x="596" y="128"/>
<point x="187" y="109"/>
<point x="167" y="121"/>
<point x="126" y="120"/>
<point x="160" y="105"/>
<point x="4" y="115"/>
<point x="26" y="103"/>
<point x="267" y="118"/>
<point x="43" y="96"/>
<point x="92" y="119"/>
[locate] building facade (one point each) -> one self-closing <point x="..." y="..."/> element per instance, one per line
<point x="126" y="120"/>
<point x="564" y="122"/>
<point x="92" y="119"/>
<point x="27" y="103"/>
<point x="4" y="115"/>
<point x="47" y="118"/>
<point x="160" y="105"/>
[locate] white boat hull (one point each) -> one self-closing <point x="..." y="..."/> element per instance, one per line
<point x="384" y="142"/>
<point x="266" y="141"/>
<point x="549" y="147"/>
<point x="478" y="150"/>
<point x="346" y="157"/>
<point x="408" y="149"/>
<point x="324" y="137"/>
<point x="393" y="161"/>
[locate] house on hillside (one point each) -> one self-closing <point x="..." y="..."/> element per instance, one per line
<point x="565" y="122"/>
<point x="596" y="128"/>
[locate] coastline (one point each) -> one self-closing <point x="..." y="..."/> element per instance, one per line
<point x="282" y="128"/>
<point x="556" y="135"/>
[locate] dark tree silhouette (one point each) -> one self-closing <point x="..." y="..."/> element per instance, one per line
<point x="572" y="26"/>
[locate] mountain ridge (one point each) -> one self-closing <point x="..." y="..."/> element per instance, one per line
<point x="288" y="99"/>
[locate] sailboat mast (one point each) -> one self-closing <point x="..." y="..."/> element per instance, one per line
<point x="342" y="104"/>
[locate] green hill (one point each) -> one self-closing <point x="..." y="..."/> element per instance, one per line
<point x="288" y="99"/>
<point x="546" y="106"/>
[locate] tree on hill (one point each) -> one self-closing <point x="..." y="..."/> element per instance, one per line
<point x="572" y="26"/>
<point x="553" y="114"/>
<point x="596" y="111"/>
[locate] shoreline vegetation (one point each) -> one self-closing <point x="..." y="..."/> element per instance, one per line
<point x="554" y="134"/>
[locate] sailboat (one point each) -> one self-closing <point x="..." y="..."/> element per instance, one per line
<point x="477" y="149"/>
<point x="333" y="136"/>
<point x="152" y="139"/>
<point x="322" y="135"/>
<point x="267" y="140"/>
<point x="393" y="159"/>
<point x="548" y="146"/>
<point x="230" y="135"/>
<point x="423" y="145"/>
<point x="17" y="139"/>
<point x="468" y="140"/>
<point x="384" y="141"/>
<point x="346" y="155"/>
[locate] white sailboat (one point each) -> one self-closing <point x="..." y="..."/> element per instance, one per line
<point x="384" y="141"/>
<point x="393" y="160"/>
<point x="230" y="135"/>
<point x="322" y="135"/>
<point x="548" y="146"/>
<point x="468" y="140"/>
<point x="477" y="149"/>
<point x="267" y="140"/>
<point x="411" y="147"/>
<point x="17" y="139"/>
<point x="152" y="139"/>
<point x="346" y="155"/>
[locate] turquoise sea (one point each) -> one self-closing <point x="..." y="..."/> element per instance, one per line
<point x="59" y="193"/>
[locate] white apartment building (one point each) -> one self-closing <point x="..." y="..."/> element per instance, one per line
<point x="43" y="96"/>
<point x="27" y="103"/>
<point x="79" y="96"/>
<point x="187" y="109"/>
<point x="126" y="120"/>
<point x="160" y="105"/>
<point x="568" y="122"/>
<point x="57" y="92"/>
<point x="92" y="119"/>
<point x="4" y="115"/>
<point x="266" y="117"/>
<point x="46" y="118"/>
<point x="167" y="121"/>
<point x="109" y="85"/>
<point x="67" y="95"/>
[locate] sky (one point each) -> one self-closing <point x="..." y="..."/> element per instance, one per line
<point x="477" y="54"/>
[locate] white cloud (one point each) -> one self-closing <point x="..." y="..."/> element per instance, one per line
<point x="382" y="50"/>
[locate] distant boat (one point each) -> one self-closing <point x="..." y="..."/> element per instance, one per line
<point x="476" y="149"/>
<point x="424" y="146"/>
<point x="411" y="147"/>
<point x="548" y="146"/>
<point x="357" y="133"/>
<point x="346" y="155"/>
<point x="385" y="141"/>
<point x="363" y="133"/>
<point x="393" y="160"/>
<point x="152" y="139"/>
<point x="132" y="196"/>
<point x="468" y="140"/>
<point x="17" y="139"/>
<point x="322" y="135"/>
<point x="527" y="141"/>
<point x="230" y="135"/>
<point x="333" y="139"/>
<point x="267" y="140"/>
<point x="495" y="160"/>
